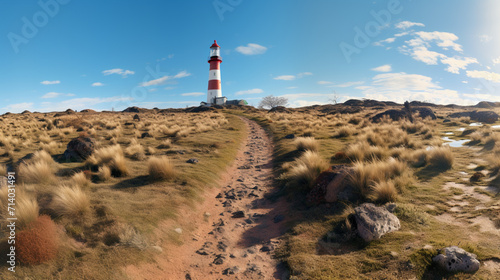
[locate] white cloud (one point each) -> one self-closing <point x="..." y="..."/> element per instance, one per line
<point x="85" y="103"/>
<point x="485" y="38"/>
<point x="193" y="94"/>
<point x="496" y="60"/>
<point x="163" y="79"/>
<point x="293" y="77"/>
<point x="408" y="24"/>
<point x="489" y="76"/>
<point x="301" y="75"/>
<point x="383" y="68"/>
<point x="456" y="63"/>
<point x="401" y="34"/>
<point x="386" y="41"/>
<point x="56" y="94"/>
<point x="348" y="84"/>
<point x="50" y="82"/>
<point x="400" y="87"/>
<point x="443" y="39"/>
<point x="118" y="71"/>
<point x="291" y="87"/>
<point x="251" y="49"/>
<point x="250" y="91"/>
<point x="324" y="83"/>
<point x="97" y="84"/>
<point x="182" y="74"/>
<point x="285" y="77"/>
<point x="421" y="53"/>
<point x="18" y="107"/>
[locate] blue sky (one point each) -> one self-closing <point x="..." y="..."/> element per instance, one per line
<point x="59" y="54"/>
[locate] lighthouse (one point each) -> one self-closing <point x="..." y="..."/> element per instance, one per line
<point x="214" y="94"/>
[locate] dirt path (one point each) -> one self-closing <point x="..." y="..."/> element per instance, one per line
<point x="237" y="229"/>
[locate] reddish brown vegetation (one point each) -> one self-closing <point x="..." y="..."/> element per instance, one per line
<point x="38" y="243"/>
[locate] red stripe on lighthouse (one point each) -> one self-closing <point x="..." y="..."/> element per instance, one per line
<point x="213" y="84"/>
<point x="214" y="65"/>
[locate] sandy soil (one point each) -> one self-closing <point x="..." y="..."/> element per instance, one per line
<point x="236" y="229"/>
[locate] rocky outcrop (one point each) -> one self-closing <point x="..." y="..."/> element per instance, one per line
<point x="396" y="115"/>
<point x="279" y="109"/>
<point x="330" y="186"/>
<point x="478" y="116"/>
<point x="79" y="149"/>
<point x="454" y="259"/>
<point x="373" y="222"/>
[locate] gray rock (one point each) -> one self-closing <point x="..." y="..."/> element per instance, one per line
<point x="238" y="214"/>
<point x="80" y="149"/>
<point x="193" y="160"/>
<point x="230" y="270"/>
<point x="456" y="259"/>
<point x="373" y="222"/>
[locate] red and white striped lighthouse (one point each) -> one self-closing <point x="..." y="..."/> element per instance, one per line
<point x="214" y="84"/>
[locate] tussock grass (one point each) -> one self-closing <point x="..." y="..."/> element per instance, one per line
<point x="26" y="210"/>
<point x="367" y="174"/>
<point x="3" y="170"/>
<point x="440" y="158"/>
<point x="306" y="144"/>
<point x="135" y="151"/>
<point x="80" y="179"/>
<point x="39" y="172"/>
<point x="51" y="148"/>
<point x="362" y="151"/>
<point x="384" y="191"/>
<point x="165" y="144"/>
<point x="344" y="131"/>
<point x="305" y="169"/>
<point x="71" y="202"/>
<point x="104" y="173"/>
<point x="113" y="157"/>
<point x="161" y="168"/>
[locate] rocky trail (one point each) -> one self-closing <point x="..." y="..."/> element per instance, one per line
<point x="237" y="228"/>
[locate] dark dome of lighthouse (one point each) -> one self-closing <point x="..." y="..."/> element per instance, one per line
<point x="215" y="44"/>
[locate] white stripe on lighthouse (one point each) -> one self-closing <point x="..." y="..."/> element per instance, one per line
<point x="212" y="94"/>
<point x="214" y="75"/>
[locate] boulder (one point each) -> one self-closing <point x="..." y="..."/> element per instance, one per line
<point x="279" y="109"/>
<point x="396" y="115"/>
<point x="329" y="185"/>
<point x="424" y="112"/>
<point x="133" y="109"/>
<point x="484" y="116"/>
<point x="137" y="118"/>
<point x="373" y="222"/>
<point x="79" y="149"/>
<point x="454" y="259"/>
<point x="478" y="116"/>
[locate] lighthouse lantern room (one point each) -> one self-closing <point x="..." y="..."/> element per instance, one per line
<point x="214" y="94"/>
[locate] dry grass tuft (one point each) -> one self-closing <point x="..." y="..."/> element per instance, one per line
<point x="80" y="179"/>
<point x="135" y="151"/>
<point x="71" y="202"/>
<point x="26" y="210"/>
<point x="111" y="156"/>
<point x="440" y="158"/>
<point x="165" y="144"/>
<point x="305" y="169"/>
<point x="161" y="168"/>
<point x="39" y="172"/>
<point x="306" y="144"/>
<point x="3" y="170"/>
<point x="104" y="173"/>
<point x="383" y="192"/>
<point x="39" y="242"/>
<point x="344" y="131"/>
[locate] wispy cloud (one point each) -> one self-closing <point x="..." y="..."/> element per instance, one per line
<point x="250" y="91"/>
<point x="18" y="107"/>
<point x="163" y="79"/>
<point x="485" y="38"/>
<point x="56" y="94"/>
<point x="383" y="68"/>
<point x="496" y="60"/>
<point x="97" y="84"/>
<point x="251" y="49"/>
<point x="407" y="24"/>
<point x="324" y="83"/>
<point x="193" y="94"/>
<point x="348" y="84"/>
<point x="457" y="63"/>
<point x="489" y="76"/>
<point x="50" y="82"/>
<point x="293" y="77"/>
<point x="386" y="41"/>
<point x="118" y="71"/>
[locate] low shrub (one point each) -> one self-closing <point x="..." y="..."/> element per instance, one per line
<point x="37" y="243"/>
<point x="161" y="168"/>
